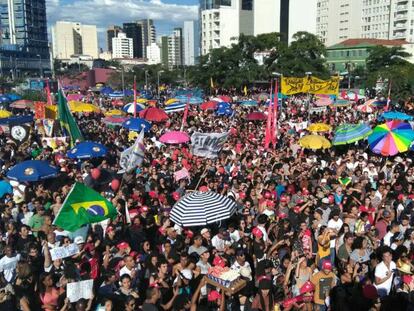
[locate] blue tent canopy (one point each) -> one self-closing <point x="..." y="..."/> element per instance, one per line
<point x="14" y="120"/>
<point x="395" y="115"/>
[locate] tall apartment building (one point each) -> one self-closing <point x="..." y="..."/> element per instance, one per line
<point x="175" y="48"/>
<point x="148" y="34"/>
<point x="191" y="42"/>
<point x="153" y="54"/>
<point x="71" y="38"/>
<point x="222" y="22"/>
<point x="164" y="50"/>
<point x="112" y="32"/>
<point x="122" y="46"/>
<point x="402" y="20"/>
<point x="134" y="31"/>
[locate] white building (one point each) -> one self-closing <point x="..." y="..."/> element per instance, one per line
<point x="191" y="42"/>
<point x="74" y="39"/>
<point x="153" y="54"/>
<point x="175" y="48"/>
<point x="122" y="46"/>
<point x="402" y="20"/>
<point x="376" y="19"/>
<point x="284" y="16"/>
<point x="222" y="22"/>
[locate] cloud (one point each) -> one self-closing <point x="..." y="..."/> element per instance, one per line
<point x="103" y="13"/>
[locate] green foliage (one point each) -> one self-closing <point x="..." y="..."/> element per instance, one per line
<point x="34" y="95"/>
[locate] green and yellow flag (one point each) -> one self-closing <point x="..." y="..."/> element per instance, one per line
<point x="82" y="206"/>
<point x="67" y="122"/>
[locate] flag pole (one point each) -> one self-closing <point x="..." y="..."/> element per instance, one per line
<point x="135" y="97"/>
<point x="64" y="202"/>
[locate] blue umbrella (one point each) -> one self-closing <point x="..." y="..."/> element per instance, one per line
<point x="129" y="108"/>
<point x="87" y="150"/>
<point x="32" y="170"/>
<point x="223" y="105"/>
<point x="137" y="124"/>
<point x="5" y="188"/>
<point x="13" y="97"/>
<point x="106" y="90"/>
<point x="395" y="115"/>
<point x="226" y="112"/>
<point x="249" y="103"/>
<point x="14" y="120"/>
<point x="4" y="99"/>
<point x="350" y="133"/>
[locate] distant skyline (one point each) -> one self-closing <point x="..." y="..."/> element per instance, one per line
<point x="166" y="14"/>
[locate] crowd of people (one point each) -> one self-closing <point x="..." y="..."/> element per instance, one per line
<point x="318" y="230"/>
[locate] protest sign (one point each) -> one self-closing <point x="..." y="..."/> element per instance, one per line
<point x="64" y="251"/>
<point x="79" y="290"/>
<point x="208" y="145"/>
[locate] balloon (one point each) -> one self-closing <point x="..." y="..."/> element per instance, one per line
<point x="95" y="173"/>
<point x="115" y="184"/>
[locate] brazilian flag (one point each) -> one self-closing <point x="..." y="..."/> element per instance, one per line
<point x="83" y="206"/>
<point x="67" y="122"/>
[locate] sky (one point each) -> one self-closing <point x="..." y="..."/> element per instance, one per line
<point x="166" y="14"/>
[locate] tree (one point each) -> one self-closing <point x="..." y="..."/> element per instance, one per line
<point x="382" y="56"/>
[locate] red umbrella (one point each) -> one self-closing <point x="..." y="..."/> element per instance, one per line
<point x="225" y="98"/>
<point x="256" y="116"/>
<point x="154" y="114"/>
<point x="117" y="103"/>
<point x="210" y="105"/>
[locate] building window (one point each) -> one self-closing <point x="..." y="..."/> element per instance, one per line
<point x="247" y="5"/>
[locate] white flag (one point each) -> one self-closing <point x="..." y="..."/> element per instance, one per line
<point x="134" y="155"/>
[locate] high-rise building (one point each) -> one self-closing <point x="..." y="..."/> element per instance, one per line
<point x="148" y="34"/>
<point x="348" y="19"/>
<point x="175" y="48"/>
<point x="164" y="50"/>
<point x="191" y="42"/>
<point x="222" y="22"/>
<point x="112" y="32"/>
<point x="70" y="38"/>
<point x="24" y="42"/>
<point x="122" y="46"/>
<point x="284" y="16"/>
<point x="134" y="31"/>
<point x="153" y="54"/>
<point x="402" y="20"/>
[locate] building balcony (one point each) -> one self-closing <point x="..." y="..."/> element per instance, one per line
<point x="400" y="35"/>
<point x="401" y="17"/>
<point x="400" y="26"/>
<point x="401" y="8"/>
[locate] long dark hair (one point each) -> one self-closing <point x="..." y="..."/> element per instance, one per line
<point x="262" y="301"/>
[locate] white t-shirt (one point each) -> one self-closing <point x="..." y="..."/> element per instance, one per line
<point x="8" y="266"/>
<point x="337" y="225"/>
<point x="381" y="272"/>
<point x="387" y="238"/>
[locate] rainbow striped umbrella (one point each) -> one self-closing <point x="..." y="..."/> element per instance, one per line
<point x="390" y="138"/>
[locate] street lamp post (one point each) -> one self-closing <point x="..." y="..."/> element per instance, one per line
<point x="308" y="74"/>
<point x="123" y="80"/>
<point x="40" y="66"/>
<point x="158" y="82"/>
<point x="146" y="80"/>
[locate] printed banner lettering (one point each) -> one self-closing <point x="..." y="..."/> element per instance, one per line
<point x="310" y="85"/>
<point x="181" y="174"/>
<point x="208" y="145"/>
<point x="64" y="251"/>
<point x="79" y="290"/>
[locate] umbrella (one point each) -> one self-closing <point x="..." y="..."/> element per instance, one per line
<point x="5" y="114"/>
<point x="324" y="101"/>
<point x="314" y="142"/>
<point x="174" y="137"/>
<point x="366" y="107"/>
<point x="32" y="170"/>
<point x="117" y="103"/>
<point x="82" y="107"/>
<point x="171" y="100"/>
<point x="210" y="105"/>
<point x="137" y="124"/>
<point x="141" y="101"/>
<point x="5" y="188"/>
<point x="391" y="137"/>
<point x="154" y="114"/>
<point x="195" y="100"/>
<point x="225" y="98"/>
<point x="248" y="103"/>
<point x="75" y="97"/>
<point x="262" y="97"/>
<point x="395" y="115"/>
<point x="114" y="120"/>
<point x="114" y="112"/>
<point x="256" y="116"/>
<point x="202" y="208"/>
<point x="225" y="111"/>
<point x="22" y="104"/>
<point x="223" y="105"/>
<point x="13" y="120"/>
<point x="129" y="108"/>
<point x="4" y="99"/>
<point x="13" y="97"/>
<point x="350" y="133"/>
<point x="319" y="127"/>
<point x="376" y="102"/>
<point x="87" y="150"/>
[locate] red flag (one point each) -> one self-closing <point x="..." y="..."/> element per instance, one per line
<point x="49" y="96"/>
<point x="184" y="122"/>
<point x="135" y="97"/>
<point x="389" y="98"/>
<point x="275" y="107"/>
<point x="268" y="133"/>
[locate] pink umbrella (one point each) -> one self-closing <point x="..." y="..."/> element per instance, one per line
<point x="256" y="116"/>
<point x="174" y="137"/>
<point x="324" y="101"/>
<point x="114" y="120"/>
<point x="76" y="97"/>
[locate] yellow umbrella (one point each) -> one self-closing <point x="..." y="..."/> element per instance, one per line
<point x="319" y="127"/>
<point x="84" y="108"/>
<point x="171" y="100"/>
<point x="314" y="142"/>
<point x="141" y="100"/>
<point x="5" y="114"/>
<point x="114" y="112"/>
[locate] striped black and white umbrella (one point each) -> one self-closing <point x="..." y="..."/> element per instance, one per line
<point x="202" y="208"/>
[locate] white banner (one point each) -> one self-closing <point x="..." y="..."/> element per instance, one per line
<point x="78" y="290"/>
<point x="317" y="109"/>
<point x="208" y="145"/>
<point x="134" y="155"/>
<point x="64" y="251"/>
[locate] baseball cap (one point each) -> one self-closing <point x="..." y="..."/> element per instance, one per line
<point x="327" y="265"/>
<point x="204" y="230"/>
<point x="202" y="250"/>
<point x="325" y="200"/>
<point x="79" y="240"/>
<point x="122" y="245"/>
<point x="257" y="232"/>
<point x="187" y="274"/>
<point x="213" y="295"/>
